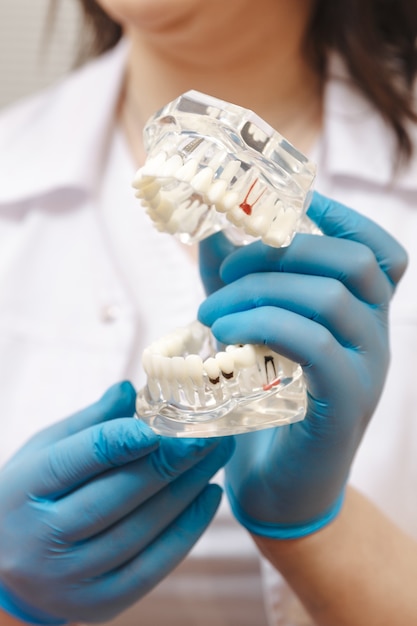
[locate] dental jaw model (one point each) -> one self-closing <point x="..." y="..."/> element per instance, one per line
<point x="214" y="166"/>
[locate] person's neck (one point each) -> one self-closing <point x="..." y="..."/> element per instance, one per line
<point x="246" y="59"/>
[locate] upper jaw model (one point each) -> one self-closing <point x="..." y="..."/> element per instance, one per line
<point x="213" y="166"/>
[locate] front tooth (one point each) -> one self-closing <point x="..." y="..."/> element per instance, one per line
<point x="194" y="367"/>
<point x="149" y="191"/>
<point x="202" y="180"/>
<point x="180" y="374"/>
<point x="165" y="209"/>
<point x="147" y="362"/>
<point x="153" y="165"/>
<point x="161" y="365"/>
<point x="173" y="164"/>
<point x="187" y="171"/>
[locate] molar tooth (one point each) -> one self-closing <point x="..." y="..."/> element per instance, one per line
<point x="245" y="356"/>
<point x="202" y="180"/>
<point x="281" y="228"/>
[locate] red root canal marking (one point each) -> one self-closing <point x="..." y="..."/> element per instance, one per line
<point x="273" y="383"/>
<point x="245" y="205"/>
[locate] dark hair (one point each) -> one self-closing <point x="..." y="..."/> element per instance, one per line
<point x="375" y="38"/>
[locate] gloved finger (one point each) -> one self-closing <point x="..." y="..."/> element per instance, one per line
<point x="115" y="494"/>
<point x="323" y="359"/>
<point x="353" y="264"/>
<point x="124" y="586"/>
<point x="212" y="251"/>
<point x="339" y="221"/>
<point x="317" y="298"/>
<point x="117" y="401"/>
<point x="124" y="540"/>
<point x="77" y="459"/>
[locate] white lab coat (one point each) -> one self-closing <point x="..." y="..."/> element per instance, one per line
<point x="86" y="283"/>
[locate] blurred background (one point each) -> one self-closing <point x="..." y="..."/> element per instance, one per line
<point x="31" y="57"/>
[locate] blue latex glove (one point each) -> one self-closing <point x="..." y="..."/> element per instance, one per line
<point x="97" y="509"/>
<point x="322" y="302"/>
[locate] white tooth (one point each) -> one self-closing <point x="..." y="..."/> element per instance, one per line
<point x="202" y="180"/>
<point x="161" y="365"/>
<point x="282" y="228"/>
<point x="216" y="160"/>
<point x="229" y="200"/>
<point x="212" y="369"/>
<point x="180" y="374"/>
<point x="245" y="356"/>
<point x="187" y="171"/>
<point x="197" y="336"/>
<point x="153" y="389"/>
<point x="174" y="345"/>
<point x="156" y="347"/>
<point x="165" y="209"/>
<point x="194" y="367"/>
<point x="257" y="225"/>
<point x="173" y="164"/>
<point x="230" y="170"/>
<point x="226" y="364"/>
<point x="149" y="191"/>
<point x="141" y="180"/>
<point x="147" y="362"/>
<point x="154" y="164"/>
<point x="236" y="215"/>
<point x="216" y="190"/>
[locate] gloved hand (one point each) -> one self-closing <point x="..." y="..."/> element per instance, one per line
<point x="97" y="509"/>
<point x="322" y="302"/>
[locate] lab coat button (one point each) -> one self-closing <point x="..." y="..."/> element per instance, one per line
<point x="110" y="313"/>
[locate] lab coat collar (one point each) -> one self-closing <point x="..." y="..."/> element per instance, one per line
<point x="357" y="143"/>
<point x="73" y="118"/>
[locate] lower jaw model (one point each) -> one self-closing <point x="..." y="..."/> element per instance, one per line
<point x="215" y="166"/>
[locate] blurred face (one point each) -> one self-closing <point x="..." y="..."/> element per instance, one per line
<point x="151" y="14"/>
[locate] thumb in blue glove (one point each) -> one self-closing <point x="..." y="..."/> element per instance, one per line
<point x="322" y="302"/>
<point x="97" y="509"/>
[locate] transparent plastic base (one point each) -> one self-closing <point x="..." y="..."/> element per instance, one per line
<point x="194" y="391"/>
<point x="214" y="166"/>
